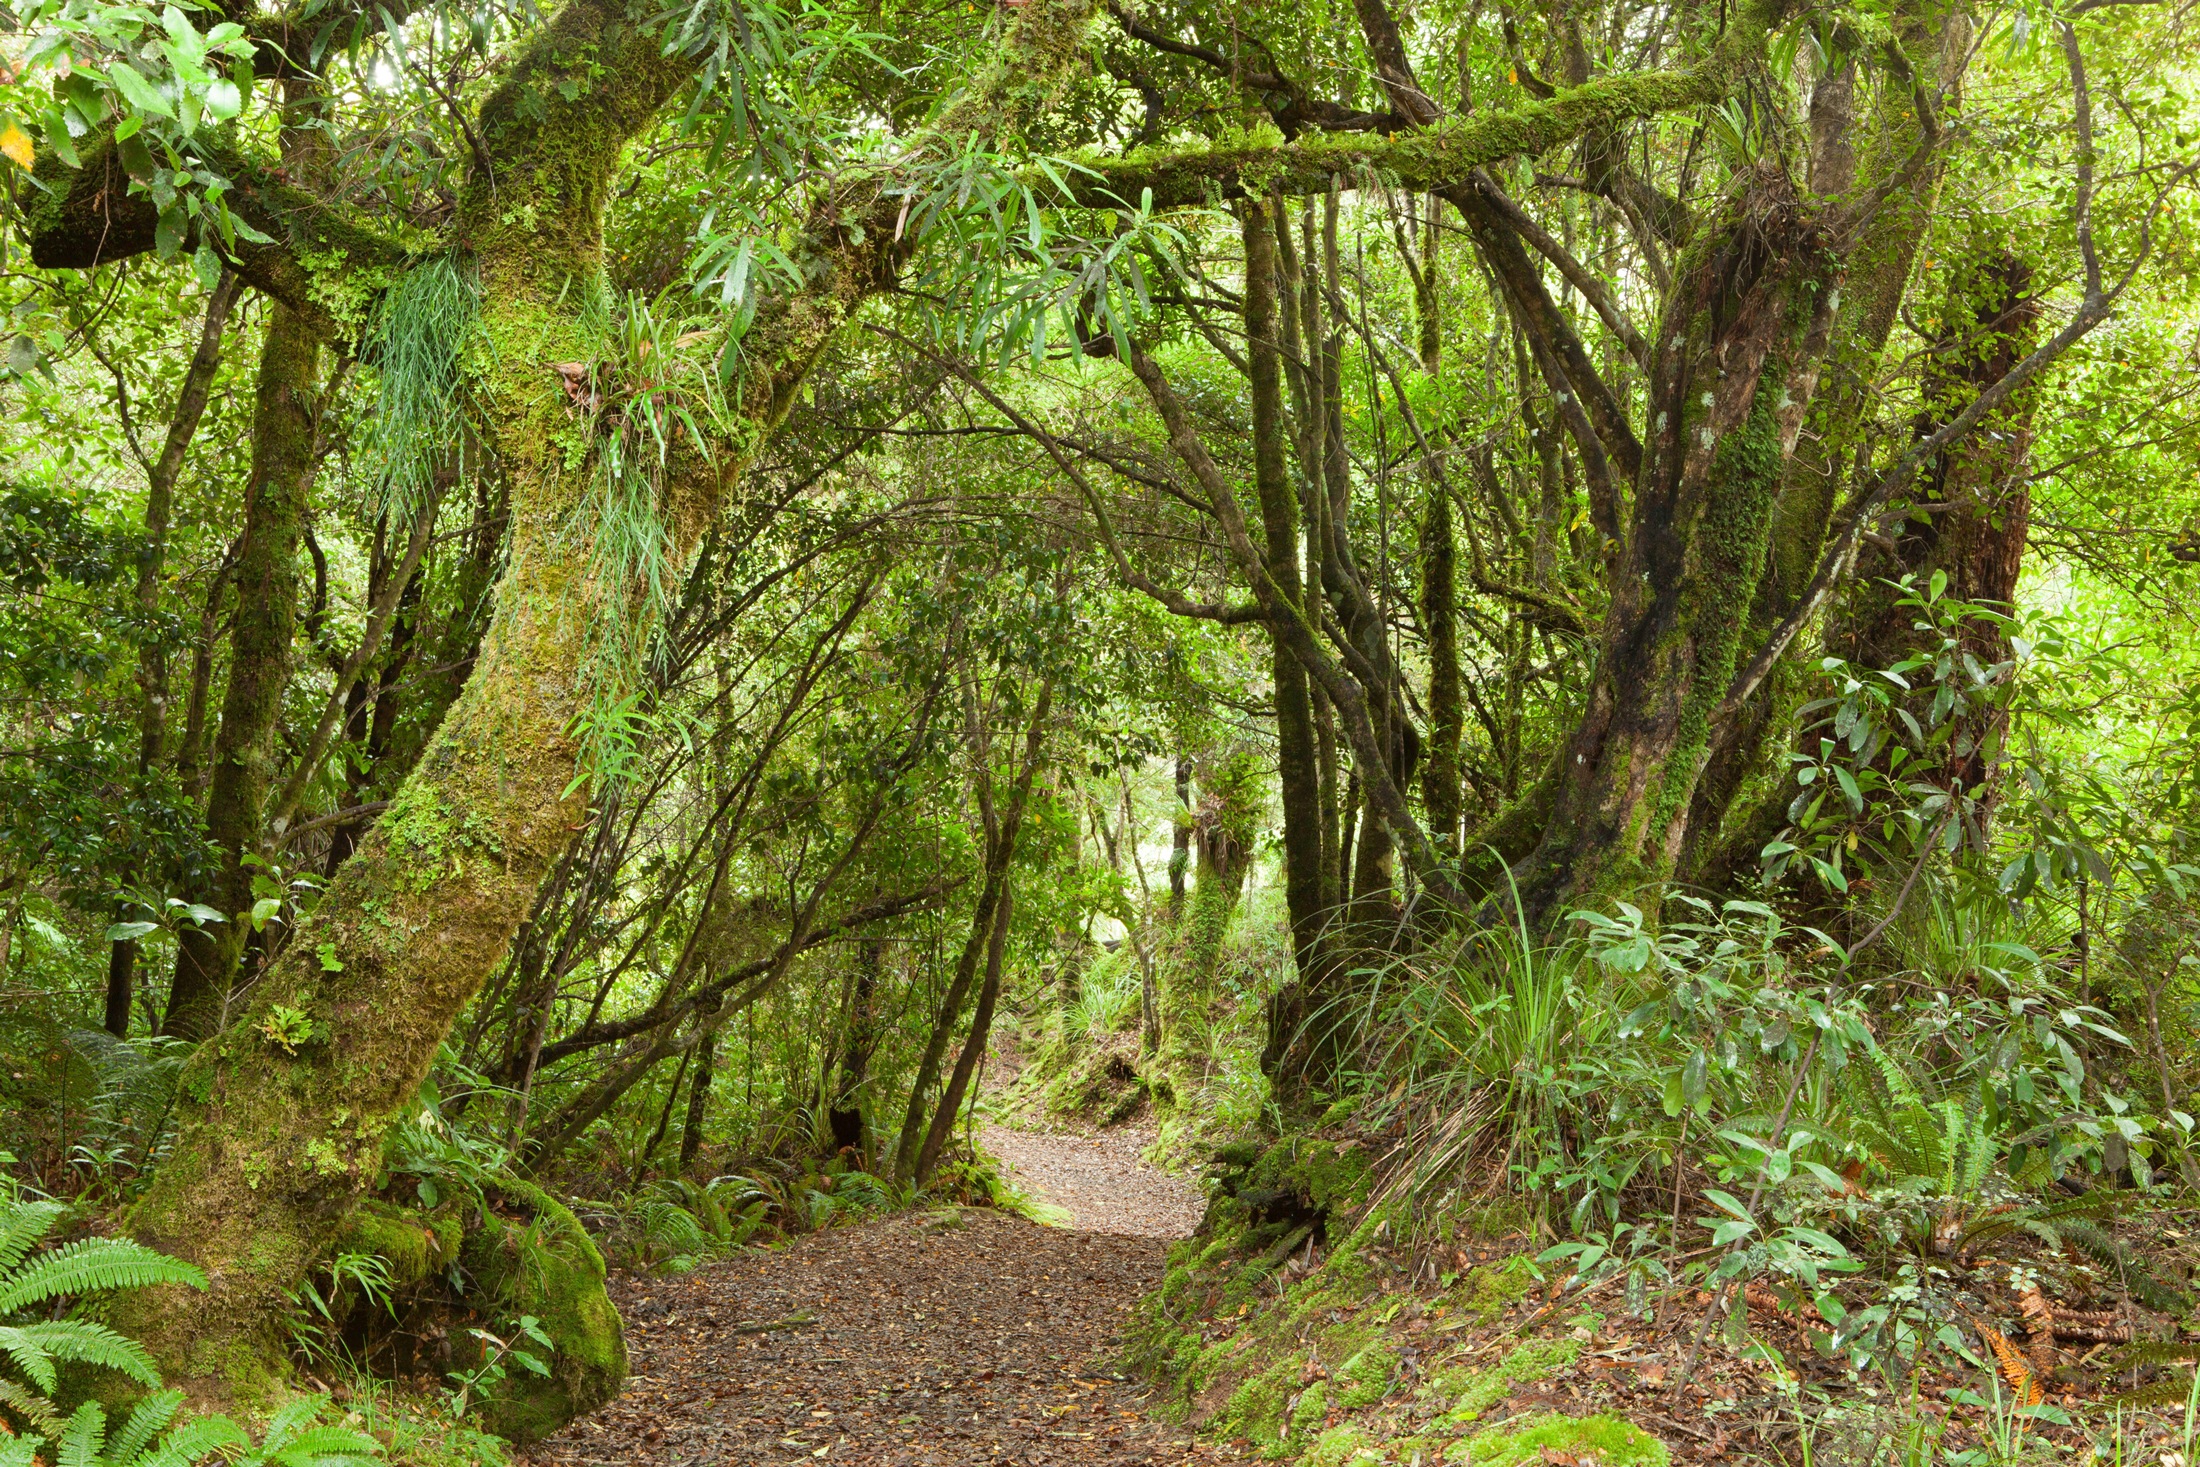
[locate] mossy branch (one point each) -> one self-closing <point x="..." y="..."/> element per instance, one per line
<point x="316" y="260"/>
<point x="1443" y="153"/>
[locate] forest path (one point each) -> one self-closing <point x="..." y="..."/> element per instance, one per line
<point x="1100" y="1178"/>
<point x="944" y="1339"/>
<point x="947" y="1339"/>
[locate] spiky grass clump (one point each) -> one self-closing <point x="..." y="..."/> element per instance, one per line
<point x="654" y="397"/>
<point x="418" y="345"/>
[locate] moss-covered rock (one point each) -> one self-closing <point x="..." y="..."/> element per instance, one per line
<point x="1610" y="1440"/>
<point x="532" y="1257"/>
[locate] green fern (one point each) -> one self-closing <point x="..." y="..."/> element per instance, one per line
<point x="93" y="1266"/>
<point x="294" y="1438"/>
<point x="36" y="1348"/>
<point x="2132" y="1271"/>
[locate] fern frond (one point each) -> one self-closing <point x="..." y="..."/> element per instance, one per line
<point x="35" y="1410"/>
<point x="295" y="1416"/>
<point x="29" y="1357"/>
<point x="146" y="1422"/>
<point x="2132" y="1271"/>
<point x="81" y="1342"/>
<point x="329" y="1446"/>
<point x="22" y="1224"/>
<point x="94" y="1266"/>
<point x="2161" y="1393"/>
<point x="2157" y="1352"/>
<point x="20" y="1451"/>
<point x="2014" y="1367"/>
<point x="194" y="1442"/>
<point x="83" y="1440"/>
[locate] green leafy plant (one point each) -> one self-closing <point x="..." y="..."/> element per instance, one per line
<point x="499" y="1353"/>
<point x="31" y="1281"/>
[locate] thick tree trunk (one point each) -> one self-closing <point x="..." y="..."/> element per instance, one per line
<point x="259" y="671"/>
<point x="1734" y="370"/>
<point x="282" y="1117"/>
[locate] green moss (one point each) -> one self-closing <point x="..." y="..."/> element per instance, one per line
<point x="1490" y="1289"/>
<point x="1340" y="1444"/>
<point x="1612" y="1441"/>
<point x="1466" y="1394"/>
<point x="1365" y="1378"/>
<point x="544" y="1264"/>
<point x="1311" y="1411"/>
<point x="416" y="1246"/>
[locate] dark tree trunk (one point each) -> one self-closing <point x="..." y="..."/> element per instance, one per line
<point x="259" y="670"/>
<point x="691" y="1128"/>
<point x="1734" y="370"/>
<point x="1180" y="840"/>
<point x="1297" y="761"/>
<point x="845" y="1114"/>
<point x="1446" y="714"/>
<point x="981" y="1026"/>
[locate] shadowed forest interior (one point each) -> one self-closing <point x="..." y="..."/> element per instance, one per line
<point x="1430" y="731"/>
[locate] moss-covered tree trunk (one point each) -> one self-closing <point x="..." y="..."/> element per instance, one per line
<point x="1734" y="370"/>
<point x="282" y="1116"/>
<point x="1297" y="767"/>
<point x="259" y="670"/>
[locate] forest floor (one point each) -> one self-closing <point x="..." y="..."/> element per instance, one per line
<point x="941" y="1339"/>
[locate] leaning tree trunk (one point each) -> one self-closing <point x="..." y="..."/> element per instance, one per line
<point x="282" y="1117"/>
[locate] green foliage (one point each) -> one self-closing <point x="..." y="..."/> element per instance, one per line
<point x="30" y="1279"/>
<point x="422" y="334"/>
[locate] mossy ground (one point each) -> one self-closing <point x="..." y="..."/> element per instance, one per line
<point x="1301" y="1346"/>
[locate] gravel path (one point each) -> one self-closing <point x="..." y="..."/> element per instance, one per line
<point x="1100" y="1179"/>
<point x="960" y="1338"/>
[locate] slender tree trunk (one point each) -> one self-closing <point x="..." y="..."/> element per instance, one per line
<point x="846" y="1110"/>
<point x="1297" y="764"/>
<point x="1180" y="840"/>
<point x="1446" y="714"/>
<point x="698" y="1106"/>
<point x="1000" y="851"/>
<point x="966" y="1063"/>
<point x="259" y="671"/>
<point x="152" y="563"/>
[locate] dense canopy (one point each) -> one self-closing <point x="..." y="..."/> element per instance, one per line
<point x="598" y="597"/>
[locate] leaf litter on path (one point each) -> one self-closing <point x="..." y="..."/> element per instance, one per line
<point x="943" y="1339"/>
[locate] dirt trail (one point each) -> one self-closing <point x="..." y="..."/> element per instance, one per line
<point x="1101" y="1179"/>
<point x="935" y="1340"/>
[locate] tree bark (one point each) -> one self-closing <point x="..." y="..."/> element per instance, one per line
<point x="966" y="1063"/>
<point x="1297" y="767"/>
<point x="207" y="957"/>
